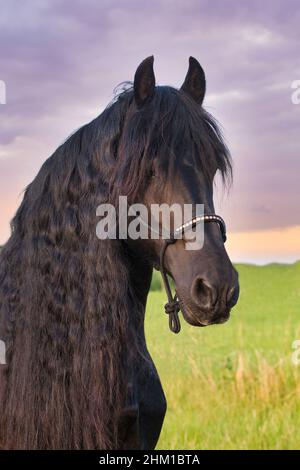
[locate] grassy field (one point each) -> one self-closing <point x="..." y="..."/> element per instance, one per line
<point x="233" y="386"/>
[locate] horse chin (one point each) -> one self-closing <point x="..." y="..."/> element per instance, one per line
<point x="196" y="318"/>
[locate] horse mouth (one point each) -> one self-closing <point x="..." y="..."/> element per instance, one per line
<point x="195" y="317"/>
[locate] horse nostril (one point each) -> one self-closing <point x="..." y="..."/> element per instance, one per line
<point x="233" y="295"/>
<point x="203" y="294"/>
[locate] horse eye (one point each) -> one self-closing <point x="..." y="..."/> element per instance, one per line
<point x="151" y="174"/>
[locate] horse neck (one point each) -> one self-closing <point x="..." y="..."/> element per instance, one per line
<point x="140" y="275"/>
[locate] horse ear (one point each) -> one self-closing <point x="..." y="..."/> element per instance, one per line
<point x="144" y="81"/>
<point x="195" y="83"/>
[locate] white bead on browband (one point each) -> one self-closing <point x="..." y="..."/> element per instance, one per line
<point x="195" y="220"/>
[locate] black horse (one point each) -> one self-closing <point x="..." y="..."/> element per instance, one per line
<point x="78" y="374"/>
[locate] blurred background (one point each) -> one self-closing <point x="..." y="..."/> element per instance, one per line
<point x="229" y="386"/>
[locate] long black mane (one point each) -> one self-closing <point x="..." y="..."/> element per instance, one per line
<point x="72" y="323"/>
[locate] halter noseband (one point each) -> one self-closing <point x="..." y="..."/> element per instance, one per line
<point x="172" y="307"/>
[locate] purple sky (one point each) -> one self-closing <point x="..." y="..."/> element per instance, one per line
<point x="61" y="60"/>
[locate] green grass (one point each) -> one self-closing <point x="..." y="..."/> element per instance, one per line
<point x="233" y="386"/>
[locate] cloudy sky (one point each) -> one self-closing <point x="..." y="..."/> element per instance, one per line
<point x="60" y="61"/>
